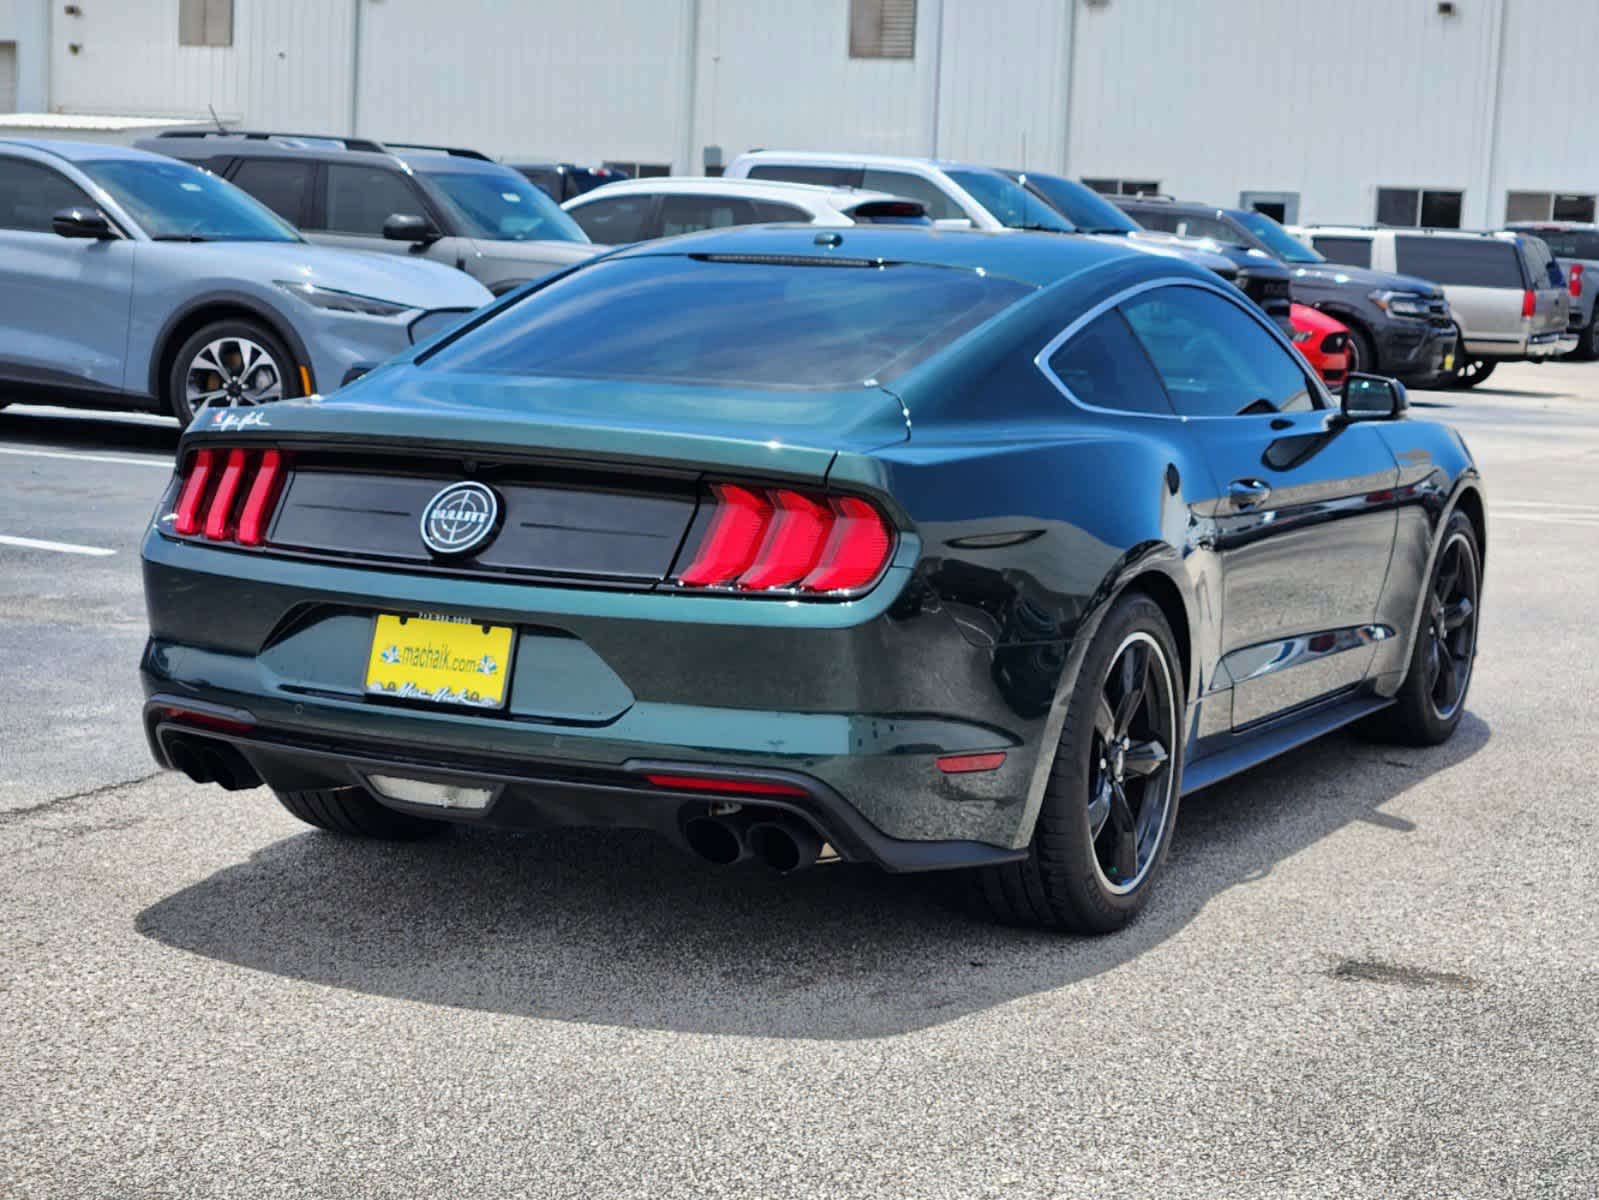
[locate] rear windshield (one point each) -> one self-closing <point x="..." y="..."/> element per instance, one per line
<point x="1459" y="261"/>
<point x="1570" y="243"/>
<point x="734" y="322"/>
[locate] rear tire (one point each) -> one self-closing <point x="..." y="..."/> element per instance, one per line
<point x="354" y="813"/>
<point x="1588" y="340"/>
<point x="1469" y="372"/>
<point x="1362" y="352"/>
<point x="1110" y="802"/>
<point x="1431" y="701"/>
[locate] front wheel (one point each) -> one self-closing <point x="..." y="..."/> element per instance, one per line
<point x="1431" y="701"/>
<point x="1110" y="802"/>
<point x="229" y="364"/>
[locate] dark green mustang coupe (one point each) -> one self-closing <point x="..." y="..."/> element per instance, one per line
<point x="926" y="549"/>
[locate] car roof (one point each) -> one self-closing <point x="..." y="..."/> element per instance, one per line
<point x="1035" y="258"/>
<point x="768" y="189"/>
<point x="80" y="151"/>
<point x="869" y="160"/>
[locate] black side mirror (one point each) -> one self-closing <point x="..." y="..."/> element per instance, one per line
<point x="83" y="223"/>
<point x="406" y="227"/>
<point x="1372" y="398"/>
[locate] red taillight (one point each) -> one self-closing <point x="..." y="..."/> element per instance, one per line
<point x="1574" y="279"/>
<point x="711" y="783"/>
<point x="733" y="538"/>
<point x="783" y="539"/>
<point x="219" y="516"/>
<point x="207" y="720"/>
<point x="1529" y="303"/>
<point x="209" y="502"/>
<point x="263" y="497"/>
<point x="186" y="516"/>
<point x="793" y="542"/>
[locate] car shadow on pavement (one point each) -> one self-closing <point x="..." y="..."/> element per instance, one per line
<point x="59" y="430"/>
<point x="621" y="929"/>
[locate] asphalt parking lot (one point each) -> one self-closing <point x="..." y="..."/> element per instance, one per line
<point x="1369" y="971"/>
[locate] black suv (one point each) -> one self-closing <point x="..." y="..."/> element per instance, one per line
<point x="452" y="205"/>
<point x="1398" y="325"/>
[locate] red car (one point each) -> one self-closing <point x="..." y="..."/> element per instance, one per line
<point x="1323" y="341"/>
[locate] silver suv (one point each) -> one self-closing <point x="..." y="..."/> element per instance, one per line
<point x="1507" y="294"/>
<point x="447" y="204"/>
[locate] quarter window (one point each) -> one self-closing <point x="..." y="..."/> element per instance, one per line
<point x="1214" y="358"/>
<point x="360" y="199"/>
<point x="1104" y="365"/>
<point x="823" y="176"/>
<point x="615" y="221"/>
<point x="30" y="195"/>
<point x="1460" y="261"/>
<point x="771" y="210"/>
<point x="284" y="187"/>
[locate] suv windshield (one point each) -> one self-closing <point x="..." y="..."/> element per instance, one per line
<point x="1079" y="204"/>
<point x="771" y="322"/>
<point x="504" y="207"/>
<point x="1278" y="240"/>
<point x="1011" y="204"/>
<point x="174" y="202"/>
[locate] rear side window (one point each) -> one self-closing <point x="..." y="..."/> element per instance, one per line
<point x="30" y="195"/>
<point x="1571" y="243"/>
<point x="772" y="211"/>
<point x="1460" y="261"/>
<point x="615" y="221"/>
<point x="284" y="187"/>
<point x="1214" y="358"/>
<point x="360" y="199"/>
<point x="689" y="214"/>
<point x="807" y="173"/>
<point x="1102" y="364"/>
<point x="730" y="322"/>
<point x="1351" y="251"/>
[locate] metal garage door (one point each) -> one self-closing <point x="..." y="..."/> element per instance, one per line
<point x="8" y="77"/>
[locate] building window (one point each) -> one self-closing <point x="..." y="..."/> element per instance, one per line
<point x="1549" y="206"/>
<point x="1124" y="187"/>
<point x="882" y="28"/>
<point x="1425" y="207"/>
<point x="205" y="22"/>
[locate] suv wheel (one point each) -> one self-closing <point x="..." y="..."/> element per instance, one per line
<point x="229" y="364"/>
<point x="1471" y="371"/>
<point x="1362" y="354"/>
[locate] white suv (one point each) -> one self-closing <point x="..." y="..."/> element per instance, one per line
<point x="640" y="209"/>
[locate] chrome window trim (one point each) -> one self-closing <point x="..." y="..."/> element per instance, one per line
<point x="1041" y="359"/>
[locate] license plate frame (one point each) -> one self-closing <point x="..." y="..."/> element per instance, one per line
<point x="437" y="659"/>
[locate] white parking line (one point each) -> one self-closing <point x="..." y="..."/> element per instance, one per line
<point x="74" y="456"/>
<point x="1588" y="520"/>
<point x="1581" y="508"/>
<point x="58" y="547"/>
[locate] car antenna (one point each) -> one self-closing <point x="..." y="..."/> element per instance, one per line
<point x="221" y="128"/>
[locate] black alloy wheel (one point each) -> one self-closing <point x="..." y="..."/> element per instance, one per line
<point x="1432" y="700"/>
<point x="1110" y="802"/>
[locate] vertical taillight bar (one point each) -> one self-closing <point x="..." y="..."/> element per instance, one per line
<point x="186" y="516"/>
<point x="262" y="498"/>
<point x="223" y="483"/>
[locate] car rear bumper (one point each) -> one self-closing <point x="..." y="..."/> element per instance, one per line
<point x="858" y="700"/>
<point x="1537" y="346"/>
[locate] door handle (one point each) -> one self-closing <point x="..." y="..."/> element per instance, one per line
<point x="1248" y="493"/>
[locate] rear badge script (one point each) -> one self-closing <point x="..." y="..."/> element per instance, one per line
<point x="460" y="519"/>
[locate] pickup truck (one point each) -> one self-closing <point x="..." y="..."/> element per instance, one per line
<point x="1575" y="245"/>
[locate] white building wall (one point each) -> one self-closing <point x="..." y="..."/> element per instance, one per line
<point x="1549" y="102"/>
<point x="25" y="23"/>
<point x="1004" y="73"/>
<point x="1332" y="102"/>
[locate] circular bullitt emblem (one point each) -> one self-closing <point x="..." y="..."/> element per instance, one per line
<point x="460" y="518"/>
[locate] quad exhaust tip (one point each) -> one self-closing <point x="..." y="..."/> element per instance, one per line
<point x="781" y="842"/>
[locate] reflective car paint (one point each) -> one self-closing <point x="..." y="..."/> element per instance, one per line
<point x="1021" y="515"/>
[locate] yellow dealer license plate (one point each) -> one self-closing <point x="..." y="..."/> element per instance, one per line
<point x="447" y="660"/>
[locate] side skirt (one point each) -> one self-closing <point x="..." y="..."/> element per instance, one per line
<point x="1257" y="746"/>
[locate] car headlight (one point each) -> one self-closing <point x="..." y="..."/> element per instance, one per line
<point x="337" y="301"/>
<point x="1400" y="304"/>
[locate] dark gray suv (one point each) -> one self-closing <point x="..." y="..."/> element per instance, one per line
<point x="447" y="204"/>
<point x="1398" y="324"/>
